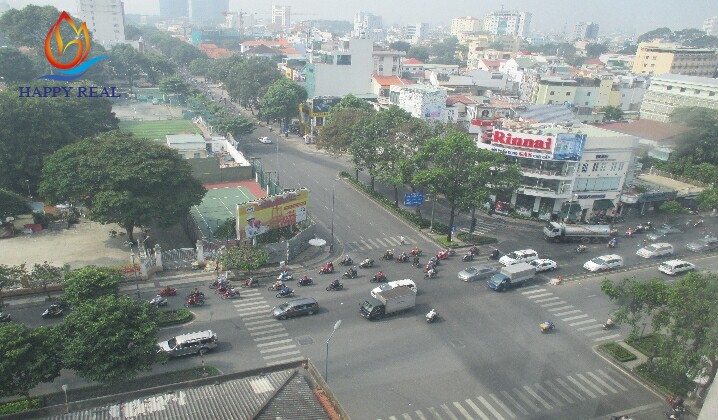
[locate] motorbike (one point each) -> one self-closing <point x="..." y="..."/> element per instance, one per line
<point x="168" y="291"/>
<point x="223" y="287"/>
<point x="402" y="258"/>
<point x="305" y="282"/>
<point x="350" y="275"/>
<point x="215" y="284"/>
<point x="286" y="292"/>
<point x="581" y="249"/>
<point x="612" y="243"/>
<point x="435" y="261"/>
<point x="327" y="268"/>
<point x="676" y="404"/>
<point x="442" y="255"/>
<point x="158" y="301"/>
<point x="432" y="316"/>
<point x="468" y="257"/>
<point x="367" y="263"/>
<point x="474" y="250"/>
<point x="53" y="311"/>
<point x="277" y="285"/>
<point x="335" y="286"/>
<point x="347" y="261"/>
<point x="450" y="251"/>
<point x="494" y="254"/>
<point x="230" y="293"/>
<point x="5" y="317"/>
<point x="284" y="276"/>
<point x="194" y="301"/>
<point x="609" y="325"/>
<point x="430" y="274"/>
<point x="388" y="255"/>
<point x="415" y="252"/>
<point x="250" y="282"/>
<point x="416" y="262"/>
<point x="546" y="326"/>
<point x="198" y="295"/>
<point x="430" y="265"/>
<point x="378" y="278"/>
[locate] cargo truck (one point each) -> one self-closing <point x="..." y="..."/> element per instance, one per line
<point x="561" y="232"/>
<point x="511" y="276"/>
<point x="388" y="302"/>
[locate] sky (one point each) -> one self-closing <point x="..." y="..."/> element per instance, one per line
<point x="637" y="16"/>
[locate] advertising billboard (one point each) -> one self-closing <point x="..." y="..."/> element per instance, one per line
<point x="569" y="146"/>
<point x="321" y="106"/>
<point x="272" y="212"/>
<point x="525" y="145"/>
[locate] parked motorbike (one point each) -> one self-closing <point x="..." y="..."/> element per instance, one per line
<point x="546" y="326"/>
<point x="379" y="278"/>
<point x="194" y="301"/>
<point x="334" y="286"/>
<point x="581" y="249"/>
<point x="230" y="293"/>
<point x="250" y="282"/>
<point x="327" y="268"/>
<point x="474" y="250"/>
<point x="468" y="257"/>
<point x="286" y="292"/>
<point x="432" y="316"/>
<point x="5" y="317"/>
<point x="350" y="275"/>
<point x="305" y="281"/>
<point x="158" y="301"/>
<point x="367" y="263"/>
<point x="168" y="291"/>
<point x="277" y="285"/>
<point x="415" y="252"/>
<point x="53" y="311"/>
<point x="495" y="254"/>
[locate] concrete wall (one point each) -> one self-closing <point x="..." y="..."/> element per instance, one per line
<point x="278" y="252"/>
<point x="209" y="172"/>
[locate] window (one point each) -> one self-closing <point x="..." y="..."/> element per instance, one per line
<point x="711" y="94"/>
<point x="552" y="92"/>
<point x="697" y="91"/>
<point x="614" y="165"/>
<point x="595" y="167"/>
<point x="669" y="87"/>
<point x="568" y="93"/>
<point x="588" y="94"/>
<point x="584" y="167"/>
<point x="585" y="103"/>
<point x="683" y="89"/>
<point x="620" y="165"/>
<point x="602" y="166"/>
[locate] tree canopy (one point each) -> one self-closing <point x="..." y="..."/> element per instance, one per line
<point x="699" y="142"/>
<point x="90" y="282"/>
<point x="612" y="113"/>
<point x="30" y="357"/>
<point x="245" y="258"/>
<point x="282" y="100"/>
<point x="687" y="37"/>
<point x="15" y="67"/>
<point x="247" y="80"/>
<point x="12" y="204"/>
<point x="123" y="180"/>
<point x="174" y="85"/>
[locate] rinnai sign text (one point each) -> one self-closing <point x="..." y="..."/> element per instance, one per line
<point x="513" y="144"/>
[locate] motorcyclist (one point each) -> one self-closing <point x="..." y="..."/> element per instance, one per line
<point x="416" y="260"/>
<point x="379" y="276"/>
<point x="581" y="248"/>
<point x="284" y="274"/>
<point x="403" y="257"/>
<point x="334" y="283"/>
<point x="304" y="280"/>
<point x="353" y="271"/>
<point x="286" y="290"/>
<point x="676" y="403"/>
<point x="431" y="272"/>
<point x="609" y="323"/>
<point x="388" y="254"/>
<point x="346" y="259"/>
<point x="432" y="314"/>
<point x="415" y="251"/>
<point x="547" y="325"/>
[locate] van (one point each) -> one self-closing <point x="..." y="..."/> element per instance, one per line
<point x="296" y="307"/>
<point x="193" y="343"/>
<point x="392" y="284"/>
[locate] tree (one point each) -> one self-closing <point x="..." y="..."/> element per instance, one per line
<point x="350" y="102"/>
<point x="10" y="275"/>
<point x="12" y="204"/>
<point x="132" y="32"/>
<point x="337" y="133"/>
<point x="228" y="229"/>
<point x="14" y="66"/>
<point x="28" y="26"/>
<point x="699" y="142"/>
<point x="671" y="208"/>
<point x="683" y="312"/>
<point x="612" y="113"/>
<point x="90" y="282"/>
<point x="245" y="258"/>
<point x="127" y="63"/>
<point x="174" y="85"/>
<point x="419" y="53"/>
<point x="123" y="180"/>
<point x="248" y="80"/>
<point x="664" y="34"/>
<point x="43" y="275"/>
<point x="282" y="100"/>
<point x="595" y="50"/>
<point x="200" y="66"/>
<point x="707" y="199"/>
<point x="157" y="67"/>
<point x="110" y="338"/>
<point x="400" y="46"/>
<point x="236" y="125"/>
<point x="30" y="357"/>
<point x="464" y="174"/>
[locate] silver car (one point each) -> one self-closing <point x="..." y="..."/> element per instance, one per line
<point x="663" y="231"/>
<point x="706" y="244"/>
<point x="476" y="272"/>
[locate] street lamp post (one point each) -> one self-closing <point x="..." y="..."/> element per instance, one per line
<point x="277" y="161"/>
<point x="433" y="203"/>
<point x="326" y="359"/>
<point x="331" y="244"/>
<point x="27" y="182"/>
<point x="134" y="270"/>
<point x="67" y="405"/>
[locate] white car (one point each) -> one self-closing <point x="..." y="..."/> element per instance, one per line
<point x="674" y="267"/>
<point x="544" y="265"/>
<point x="522" y="255"/>
<point x="655" y="250"/>
<point x="265" y="140"/>
<point x="393" y="284"/>
<point x="604" y="262"/>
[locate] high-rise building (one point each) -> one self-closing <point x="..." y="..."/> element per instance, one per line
<point x="415" y="32"/>
<point x="655" y="59"/>
<point x="465" y="24"/>
<point x="105" y="20"/>
<point x="508" y="23"/>
<point x="207" y="12"/>
<point x="281" y="15"/>
<point x="710" y="26"/>
<point x="585" y="31"/>
<point x="367" y="25"/>
<point x="173" y="9"/>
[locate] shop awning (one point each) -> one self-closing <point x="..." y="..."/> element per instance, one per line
<point x="603" y="204"/>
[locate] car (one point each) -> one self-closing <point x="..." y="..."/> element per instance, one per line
<point x="296" y="307"/>
<point x="663" y="231"/>
<point x="604" y="262"/>
<point x="476" y="272"/>
<point x="265" y="140"/>
<point x="522" y="255"/>
<point x="674" y="267"/>
<point x="392" y="284"/>
<point x="199" y="342"/>
<point x="544" y="265"/>
<point x="709" y="243"/>
<point x="655" y="250"/>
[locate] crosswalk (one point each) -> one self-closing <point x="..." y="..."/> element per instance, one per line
<point x="568" y="314"/>
<point x="530" y="400"/>
<point x="387" y="242"/>
<point x="269" y="335"/>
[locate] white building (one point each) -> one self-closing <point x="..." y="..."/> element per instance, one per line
<point x="281" y="15"/>
<point x="105" y="20"/>
<point x="710" y="26"/>
<point x="465" y="24"/>
<point x="421" y="101"/>
<point x="670" y="91"/>
<point x="344" y="69"/>
<point x="388" y="62"/>
<point x="585" y="31"/>
<point x="508" y="23"/>
<point x="416" y="32"/>
<point x="367" y="25"/>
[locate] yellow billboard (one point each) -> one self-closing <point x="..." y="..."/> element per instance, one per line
<point x="272" y="212"/>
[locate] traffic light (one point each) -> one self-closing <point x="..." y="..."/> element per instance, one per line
<point x="473" y="225"/>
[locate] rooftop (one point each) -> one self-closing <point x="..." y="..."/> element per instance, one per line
<point x="184" y="138"/>
<point x="453" y="99"/>
<point x="412" y="61"/>
<point x="686" y="79"/>
<point x="647" y="129"/>
<point x="391" y="80"/>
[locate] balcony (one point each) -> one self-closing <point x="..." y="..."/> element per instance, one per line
<point x="545" y="191"/>
<point x="548" y="174"/>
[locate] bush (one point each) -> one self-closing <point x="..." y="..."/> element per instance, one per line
<point x="174" y="317"/>
<point x="476" y="239"/>
<point x="662" y="374"/>
<point x="618" y="352"/>
<point x="646" y="345"/>
<point x="19" y="406"/>
<point x="446" y="243"/>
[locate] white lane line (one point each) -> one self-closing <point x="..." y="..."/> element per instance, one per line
<point x="381" y="243"/>
<point x="406" y="416"/>
<point x="435" y="413"/>
<point x="261" y="321"/>
<point x="366" y="244"/>
<point x="539" y="295"/>
<point x="581" y="322"/>
<point x="263" y="327"/>
<point x="525" y="400"/>
<point x="615" y="382"/>
<point x="547" y="299"/>
<point x="250" y="318"/>
<point x="550" y="396"/>
<point x="393" y="241"/>
<point x="289" y="353"/>
<point x="292" y="346"/>
<point x="602" y="382"/>
<point x="591" y="384"/>
<point x="514" y="402"/>
<point x="569" y="389"/>
<point x="268" y="332"/>
<point x="575" y="311"/>
<point x="581" y="387"/>
<point x="595" y="333"/>
<point x="490" y="408"/>
<point x="420" y="415"/>
<point x="557" y="389"/>
<point x="463" y="411"/>
<point x="502" y="405"/>
<point x="561" y="308"/>
<point x="271" y="337"/>
<point x="608" y="337"/>
<point x="548" y="305"/>
<point x="590" y="327"/>
<point x="530" y="292"/>
<point x="571" y="318"/>
<point x="532" y="287"/>
<point x="476" y="409"/>
<point x="449" y="413"/>
<point x="273" y="343"/>
<point x="249" y="302"/>
<point x="254" y="310"/>
<point x="279" y="362"/>
<point x="537" y="397"/>
<point x="374" y="244"/>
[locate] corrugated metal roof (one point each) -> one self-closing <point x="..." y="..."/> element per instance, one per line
<point x="294" y="401"/>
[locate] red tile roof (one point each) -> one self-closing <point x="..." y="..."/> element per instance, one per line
<point x="391" y="80"/>
<point x="651" y="130"/>
<point x="593" y="62"/>
<point x="268" y="42"/>
<point x="453" y="99"/>
<point x="412" y="60"/>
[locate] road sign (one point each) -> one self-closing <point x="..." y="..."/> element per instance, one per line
<point x="413" y="199"/>
<point x="453" y="228"/>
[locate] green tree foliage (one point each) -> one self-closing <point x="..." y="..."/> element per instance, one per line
<point x="687" y="37"/>
<point x="684" y="312"/>
<point x="400" y="46"/>
<point x="132" y="32"/>
<point x="659" y="33"/>
<point x="248" y="80"/>
<point x="245" y="258"/>
<point x="282" y="100"/>
<point x="200" y="66"/>
<point x="699" y="142"/>
<point x="464" y="174"/>
<point x="228" y="229"/>
<point x="91" y="282"/>
<point x="30" y="357"/>
<point x="352" y="102"/>
<point x="34" y="128"/>
<point x="28" y="26"/>
<point x="157" y="67"/>
<point x="612" y="113"/>
<point x="595" y="50"/>
<point x="11" y="275"/>
<point x="176" y="50"/>
<point x="671" y="208"/>
<point x="111" y="338"/>
<point x="236" y="125"/>
<point x="12" y="204"/>
<point x="45" y="274"/>
<point x="15" y="67"/>
<point x="337" y="133"/>
<point x="707" y="199"/>
<point x="127" y="63"/>
<point x="445" y="51"/>
<point x="123" y="180"/>
<point x="174" y="85"/>
<point x="418" y="52"/>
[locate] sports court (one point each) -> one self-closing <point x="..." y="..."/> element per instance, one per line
<point x="220" y="204"/>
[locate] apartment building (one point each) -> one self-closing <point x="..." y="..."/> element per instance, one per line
<point x="658" y="59"/>
<point x="465" y="24"/>
<point x="421" y="101"/>
<point x="585" y="31"/>
<point x="367" y="25"/>
<point x="710" y="26"/>
<point x="508" y="23"/>
<point x="670" y="91"/>
<point x="414" y="33"/>
<point x="340" y="69"/>
<point x="281" y="15"/>
<point x="388" y="62"/>
<point x="105" y="20"/>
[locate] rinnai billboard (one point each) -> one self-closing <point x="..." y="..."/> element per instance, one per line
<point x="272" y="212"/>
<point x="532" y="146"/>
<point x="569" y="146"/>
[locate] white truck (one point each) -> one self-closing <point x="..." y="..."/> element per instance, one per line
<point x="561" y="232"/>
<point x="511" y="276"/>
<point x="388" y="302"/>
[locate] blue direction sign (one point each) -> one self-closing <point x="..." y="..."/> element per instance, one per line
<point x="413" y="199"/>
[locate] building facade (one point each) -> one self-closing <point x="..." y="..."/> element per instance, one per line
<point x="508" y="23"/>
<point x="207" y="12"/>
<point x="466" y="24"/>
<point x="585" y="31"/>
<point x="414" y="33"/>
<point x="281" y="15"/>
<point x="421" y="101"/>
<point x="657" y="59"/>
<point x="388" y="62"/>
<point x="345" y="69"/>
<point x="367" y="25"/>
<point x="710" y="26"/>
<point x="173" y="9"/>
<point x="105" y="20"/>
<point x="671" y="91"/>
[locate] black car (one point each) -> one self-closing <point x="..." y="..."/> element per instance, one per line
<point x="706" y="244"/>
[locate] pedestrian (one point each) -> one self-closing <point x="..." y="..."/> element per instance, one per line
<point x="402" y="240"/>
<point x="645" y="243"/>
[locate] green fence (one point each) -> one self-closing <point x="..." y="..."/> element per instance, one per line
<point x="264" y="179"/>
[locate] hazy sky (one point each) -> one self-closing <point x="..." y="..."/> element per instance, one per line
<point x="548" y="15"/>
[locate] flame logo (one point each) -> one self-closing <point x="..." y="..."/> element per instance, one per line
<point x="77" y="66"/>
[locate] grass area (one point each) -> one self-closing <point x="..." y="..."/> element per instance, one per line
<point x="475" y="239"/>
<point x="442" y="240"/>
<point x="646" y="345"/>
<point x="618" y="352"/>
<point x="661" y="375"/>
<point x="158" y="129"/>
<point x="174" y="317"/>
<point x="11" y="407"/>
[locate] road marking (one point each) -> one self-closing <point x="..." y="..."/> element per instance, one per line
<point x="608" y="337"/>
<point x="602" y="382"/>
<point x="539" y="295"/>
<point x="383" y="242"/>
<point x="581" y="387"/>
<point x="569" y="389"/>
<point x="279" y="362"/>
<point x="250" y="305"/>
<point x="247" y="299"/>
<point x="533" y="291"/>
<point x="502" y="405"/>
<point x="263" y="327"/>
<point x="366" y="244"/>
<point x="420" y="415"/>
<point x="615" y="382"/>
<point x="525" y="400"/>
<point x="251" y="293"/>
<point x="514" y="402"/>
<point x="249" y="318"/>
<point x="538" y="398"/>
<point x="596" y="333"/>
<point x="531" y="287"/>
<point x="590" y="327"/>
<point x="274" y="356"/>
<point x="548" y="394"/>
<point x="463" y="411"/>
<point x="547" y="305"/>
<point x="261" y="321"/>
<point x="289" y="340"/>
<point x="589" y="383"/>
<point x="449" y="413"/>
<point x="476" y="409"/>
<point x="561" y="308"/>
<point x="268" y="332"/>
<point x="253" y="309"/>
<point x="568" y="313"/>
<point x="581" y="322"/>
<point x="278" y="349"/>
<point x="546" y="300"/>
<point x="406" y="416"/>
<point x="574" y="317"/>
<point x="493" y="411"/>
<point x="557" y="390"/>
<point x="435" y="413"/>
<point x="393" y="241"/>
<point x="373" y="244"/>
<point x="271" y="337"/>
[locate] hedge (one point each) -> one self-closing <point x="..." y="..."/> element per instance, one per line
<point x="618" y="352"/>
<point x="661" y="375"/>
<point x="476" y="239"/>
<point x="19" y="406"/>
<point x="646" y="344"/>
<point x="174" y="317"/>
